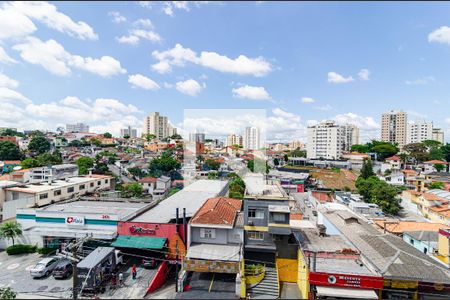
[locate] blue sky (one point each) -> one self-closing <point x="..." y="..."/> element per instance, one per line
<point x="110" y="63"/>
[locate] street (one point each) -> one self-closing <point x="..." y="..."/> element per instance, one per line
<point x="302" y="199"/>
<point x="16" y="275"/>
<point x="116" y="171"/>
<point x="410" y="212"/>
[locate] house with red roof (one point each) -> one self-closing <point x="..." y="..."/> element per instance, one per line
<point x="215" y="237"/>
<point x="392" y="163"/>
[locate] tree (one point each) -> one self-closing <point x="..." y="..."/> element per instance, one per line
<point x="286" y="158"/>
<point x="136" y="172"/>
<point x="237" y="187"/>
<point x="176" y="137"/>
<point x="149" y="137"/>
<point x="298" y="153"/>
<point x="7" y="293"/>
<point x="39" y="144"/>
<point x="132" y="190"/>
<point x="29" y="163"/>
<point x="213" y="175"/>
<point x="435" y="153"/>
<point x="11" y="132"/>
<point x="276" y="161"/>
<point x="379" y="192"/>
<point x="360" y="148"/>
<point x="439" y="167"/>
<point x="367" y="169"/>
<point x="211" y="164"/>
<point x="126" y="136"/>
<point x="107" y="135"/>
<point x="10" y="230"/>
<point x="436" y="185"/>
<point x="163" y="165"/>
<point x="46" y="159"/>
<point x="75" y="143"/>
<point x="96" y="142"/>
<point x="9" y="151"/>
<point x="446" y="152"/>
<point x="418" y="151"/>
<point x="432" y="144"/>
<point x="84" y="164"/>
<point x="403" y="157"/>
<point x="383" y="149"/>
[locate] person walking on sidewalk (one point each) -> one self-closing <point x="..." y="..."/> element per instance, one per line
<point x="133" y="271"/>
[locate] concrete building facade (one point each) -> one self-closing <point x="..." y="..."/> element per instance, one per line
<point x="419" y="132"/>
<point x="394" y="127"/>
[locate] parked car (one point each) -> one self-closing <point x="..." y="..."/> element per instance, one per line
<point x="63" y="269"/>
<point x="44" y="267"/>
<point x="149" y="263"/>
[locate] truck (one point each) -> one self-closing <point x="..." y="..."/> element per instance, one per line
<point x="94" y="271"/>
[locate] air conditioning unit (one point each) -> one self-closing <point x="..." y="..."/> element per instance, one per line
<point x="250" y="223"/>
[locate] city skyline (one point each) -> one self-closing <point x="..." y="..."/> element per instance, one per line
<point x="110" y="65"/>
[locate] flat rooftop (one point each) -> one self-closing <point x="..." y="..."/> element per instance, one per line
<point x="256" y="185"/>
<point x="311" y="241"/>
<point x="123" y="210"/>
<point x="191" y="197"/>
<point x="342" y="266"/>
<point x="56" y="184"/>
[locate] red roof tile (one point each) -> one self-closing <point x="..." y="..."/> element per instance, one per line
<point x="435" y="162"/>
<point x="218" y="211"/>
<point x="148" y="180"/>
<point x="395" y="158"/>
<point x="322" y="196"/>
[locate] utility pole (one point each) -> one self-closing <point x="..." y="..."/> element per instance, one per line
<point x="74" y="273"/>
<point x="176" y="266"/>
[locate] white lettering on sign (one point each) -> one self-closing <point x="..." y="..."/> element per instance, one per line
<point x="75" y="220"/>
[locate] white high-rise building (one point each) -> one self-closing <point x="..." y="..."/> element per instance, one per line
<point x="252" y="138"/>
<point x="328" y="140"/>
<point x="197" y="137"/>
<point x="394" y="127"/>
<point x="158" y="125"/>
<point x="78" y="127"/>
<point x="437" y="135"/>
<point x="131" y="132"/>
<point x="233" y="139"/>
<point x="419" y="132"/>
<point x="351" y="136"/>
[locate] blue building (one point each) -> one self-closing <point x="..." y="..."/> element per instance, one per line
<point x="424" y="241"/>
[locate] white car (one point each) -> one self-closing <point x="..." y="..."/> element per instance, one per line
<point x="44" y="267"/>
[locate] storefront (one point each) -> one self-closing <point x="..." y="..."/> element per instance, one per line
<point x="344" y="286"/>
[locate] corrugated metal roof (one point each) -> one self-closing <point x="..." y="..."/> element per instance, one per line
<point x="94" y="257"/>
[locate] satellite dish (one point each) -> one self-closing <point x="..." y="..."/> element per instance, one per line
<point x="17" y="168"/>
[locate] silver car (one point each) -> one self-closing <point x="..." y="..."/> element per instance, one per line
<point x="44" y="267"/>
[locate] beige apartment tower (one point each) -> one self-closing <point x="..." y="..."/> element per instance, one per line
<point x="158" y="125"/>
<point x="394" y="127"/>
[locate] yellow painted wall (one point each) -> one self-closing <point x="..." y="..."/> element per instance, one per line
<point x="443" y="248"/>
<point x="287" y="269"/>
<point x="302" y="278"/>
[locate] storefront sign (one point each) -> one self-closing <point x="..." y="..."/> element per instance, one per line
<point x="142" y="230"/>
<point x="75" y="220"/>
<point x="346" y="280"/>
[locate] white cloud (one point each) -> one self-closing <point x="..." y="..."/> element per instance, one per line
<point x="440" y="35"/>
<point x="7" y="94"/>
<point x="146" y="4"/>
<point x="420" y="81"/>
<point x="242" y="65"/>
<point x="251" y="92"/>
<point x="334" y="77"/>
<point x="7" y="82"/>
<point x="308" y="100"/>
<point x="5" y="58"/>
<point x="170" y="6"/>
<point x="13" y="24"/>
<point x="138" y="80"/>
<point x="162" y="67"/>
<point x="46" y="13"/>
<point x="142" y="30"/>
<point x="369" y="128"/>
<point x="189" y="87"/>
<point x="364" y="74"/>
<point x="325" y="107"/>
<point x="52" y="56"/>
<point x="117" y="17"/>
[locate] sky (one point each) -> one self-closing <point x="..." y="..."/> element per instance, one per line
<point x="109" y="64"/>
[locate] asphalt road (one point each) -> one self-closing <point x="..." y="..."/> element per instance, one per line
<point x="116" y="171"/>
<point x="15" y="274"/>
<point x="301" y="199"/>
<point x="210" y="286"/>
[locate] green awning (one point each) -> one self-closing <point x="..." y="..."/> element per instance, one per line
<point x="139" y="242"/>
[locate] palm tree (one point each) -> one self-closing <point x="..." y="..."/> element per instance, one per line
<point x="10" y="230"/>
<point x="403" y="158"/>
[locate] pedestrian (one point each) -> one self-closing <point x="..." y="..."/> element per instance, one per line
<point x="133" y="271"/>
<point x="120" y="278"/>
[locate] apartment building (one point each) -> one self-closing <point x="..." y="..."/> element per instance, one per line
<point x="158" y="125"/>
<point x="78" y="127"/>
<point x="394" y="127"/>
<point x="252" y="138"/>
<point x="437" y="134"/>
<point x="197" y="137"/>
<point x="131" y="132"/>
<point x="329" y="140"/>
<point x="419" y="132"/>
<point x="233" y="139"/>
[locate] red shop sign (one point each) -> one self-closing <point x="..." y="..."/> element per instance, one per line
<point x="346" y="280"/>
<point x="142" y="230"/>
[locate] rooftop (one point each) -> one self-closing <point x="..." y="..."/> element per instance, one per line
<point x="426" y="236"/>
<point x="404" y="226"/>
<point x="218" y="211"/>
<point x="389" y="254"/>
<point x="311" y="241"/>
<point x="124" y="210"/>
<point x="148" y="180"/>
<point x="191" y="197"/>
<point x="342" y="266"/>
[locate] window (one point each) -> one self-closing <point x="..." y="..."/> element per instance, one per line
<point x="70" y="190"/>
<point x="57" y="193"/>
<point x="15" y="195"/>
<point x="256" y="235"/>
<point x="82" y="187"/>
<point x="106" y="180"/>
<point x="411" y="241"/>
<point x="278" y="217"/>
<point x="43" y="196"/>
<point x="99" y="182"/>
<point x="92" y="184"/>
<point x="207" y="233"/>
<point x="277" y="238"/>
<point x="256" y="213"/>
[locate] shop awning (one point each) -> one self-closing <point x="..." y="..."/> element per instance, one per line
<point x="139" y="242"/>
<point x="337" y="292"/>
<point x="214" y="252"/>
<point x="71" y="232"/>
